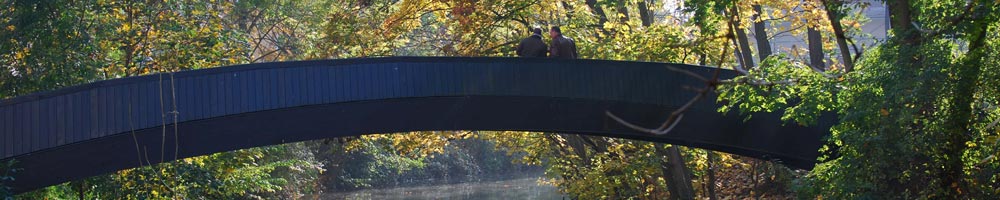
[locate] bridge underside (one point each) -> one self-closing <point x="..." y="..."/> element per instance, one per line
<point x="108" y="126"/>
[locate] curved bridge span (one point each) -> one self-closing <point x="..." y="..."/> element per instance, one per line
<point x="96" y="128"/>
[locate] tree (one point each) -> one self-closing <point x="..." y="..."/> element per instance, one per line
<point x="911" y="113"/>
<point x="52" y="44"/>
<point x="760" y="34"/>
<point x="45" y="45"/>
<point x="920" y="109"/>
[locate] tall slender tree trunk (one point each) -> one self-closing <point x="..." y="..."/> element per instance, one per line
<point x="900" y="19"/>
<point x="702" y="59"/>
<point x="576" y="142"/>
<point x="815" y="41"/>
<point x="564" y="152"/>
<point x="833" y="10"/>
<point x="83" y="189"/>
<point x="644" y="14"/>
<point x="598" y="11"/>
<point x="623" y="10"/>
<point x="760" y="33"/>
<point x="960" y="122"/>
<point x="602" y="17"/>
<point x="746" y="55"/>
<point x="711" y="175"/>
<point x="753" y="178"/>
<point x="678" y="175"/>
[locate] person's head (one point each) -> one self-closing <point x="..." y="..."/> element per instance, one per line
<point x="555" y="31"/>
<point x="536" y="31"/>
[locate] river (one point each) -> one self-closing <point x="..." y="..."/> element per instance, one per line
<point x="524" y="188"/>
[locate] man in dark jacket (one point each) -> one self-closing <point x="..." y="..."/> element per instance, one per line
<point x="562" y="46"/>
<point x="533" y="46"/>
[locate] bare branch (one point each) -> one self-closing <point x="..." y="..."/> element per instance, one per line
<point x="739" y="68"/>
<point x="994" y="155"/>
<point x="669" y="124"/>
<point x="665" y="131"/>
<point x="639" y="128"/>
<point x="695" y="42"/>
<point x="688" y="72"/>
<point x="760" y="82"/>
<point x="857" y="51"/>
<point x="993" y="124"/>
<point x="795" y="12"/>
<point x="969" y="9"/>
<point x="776" y="34"/>
<point x="677" y="115"/>
<point x="627" y="124"/>
<point x="921" y="29"/>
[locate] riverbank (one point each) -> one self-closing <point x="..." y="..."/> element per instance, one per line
<point x="520" y="188"/>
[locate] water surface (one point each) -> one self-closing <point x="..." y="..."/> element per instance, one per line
<point x="523" y="188"/>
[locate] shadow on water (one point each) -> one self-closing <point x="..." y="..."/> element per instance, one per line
<point x="522" y="188"/>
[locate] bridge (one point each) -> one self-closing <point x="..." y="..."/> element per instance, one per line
<point x="92" y="129"/>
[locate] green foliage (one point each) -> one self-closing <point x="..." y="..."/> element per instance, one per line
<point x="43" y="47"/>
<point x="913" y="119"/>
<point x="706" y="14"/>
<point x="781" y="84"/>
<point x="917" y="118"/>
<point x="609" y="168"/>
<point x="374" y="163"/>
<point x="51" y="44"/>
<point x="258" y="173"/>
<point x="884" y="103"/>
<point x="61" y="191"/>
<point x="8" y="170"/>
<point x="384" y="160"/>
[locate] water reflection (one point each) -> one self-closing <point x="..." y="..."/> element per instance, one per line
<point x="524" y="188"/>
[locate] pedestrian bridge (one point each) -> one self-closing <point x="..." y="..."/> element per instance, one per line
<point x="105" y="126"/>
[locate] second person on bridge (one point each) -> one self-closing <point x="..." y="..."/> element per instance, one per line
<point x="562" y="46"/>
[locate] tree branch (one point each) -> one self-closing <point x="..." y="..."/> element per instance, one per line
<point x="995" y="152"/>
<point x="677" y="115"/>
<point x="687" y="72"/>
<point x="951" y="23"/>
<point x="760" y="82"/>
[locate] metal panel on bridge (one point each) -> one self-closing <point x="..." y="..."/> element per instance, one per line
<point x="105" y="126"/>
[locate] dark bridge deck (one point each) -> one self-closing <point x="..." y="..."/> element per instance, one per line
<point x="88" y="130"/>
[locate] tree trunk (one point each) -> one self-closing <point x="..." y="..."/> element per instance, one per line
<point x="815" y="49"/>
<point x="746" y="55"/>
<point x="644" y="14"/>
<point x="576" y="142"/>
<point x="602" y="18"/>
<point x="569" y="16"/>
<point x="711" y="175"/>
<point x="83" y="189"/>
<point x="600" y="145"/>
<point x="900" y="20"/>
<point x="597" y="10"/>
<point x="678" y="176"/>
<point x="833" y="9"/>
<point x="760" y="33"/>
<point x="564" y="152"/>
<point x="624" y="11"/>
<point x="702" y="59"/>
<point x="960" y="113"/>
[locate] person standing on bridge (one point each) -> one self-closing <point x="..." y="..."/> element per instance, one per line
<point x="533" y="46"/>
<point x="562" y="46"/>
